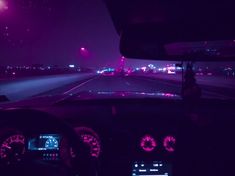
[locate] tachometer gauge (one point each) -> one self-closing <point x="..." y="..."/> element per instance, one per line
<point x="90" y="138"/>
<point x="148" y="143"/>
<point x="51" y="143"/>
<point x="93" y="143"/>
<point x="169" y="143"/>
<point x="12" y="148"/>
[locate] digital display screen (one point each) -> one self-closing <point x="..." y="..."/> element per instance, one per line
<point x="45" y="142"/>
<point x="154" y="168"/>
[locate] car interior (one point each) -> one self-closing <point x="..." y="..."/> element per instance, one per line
<point x="165" y="136"/>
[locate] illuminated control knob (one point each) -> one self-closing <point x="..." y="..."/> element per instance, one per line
<point x="169" y="143"/>
<point x="148" y="143"/>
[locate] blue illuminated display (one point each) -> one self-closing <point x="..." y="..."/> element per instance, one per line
<point x="45" y="142"/>
<point x="154" y="168"/>
<point x="51" y="143"/>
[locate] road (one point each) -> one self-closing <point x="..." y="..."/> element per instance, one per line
<point x="89" y="82"/>
<point x="149" y="85"/>
<point x="19" y="89"/>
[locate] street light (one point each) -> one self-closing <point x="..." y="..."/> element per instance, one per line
<point x="3" y="5"/>
<point x="84" y="55"/>
<point x="84" y="52"/>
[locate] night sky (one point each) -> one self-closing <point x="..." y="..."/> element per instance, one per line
<point x="52" y="32"/>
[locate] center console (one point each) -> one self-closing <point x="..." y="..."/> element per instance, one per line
<point x="153" y="168"/>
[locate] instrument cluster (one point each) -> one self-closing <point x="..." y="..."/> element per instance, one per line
<point x="16" y="146"/>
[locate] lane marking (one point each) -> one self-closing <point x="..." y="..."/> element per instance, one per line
<point x="205" y="92"/>
<point x="79" y="85"/>
<point x="161" y="81"/>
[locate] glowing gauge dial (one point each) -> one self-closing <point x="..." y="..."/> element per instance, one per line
<point x="91" y="139"/>
<point x="148" y="143"/>
<point x="93" y="143"/>
<point x="13" y="148"/>
<point x="169" y="143"/>
<point x="51" y="143"/>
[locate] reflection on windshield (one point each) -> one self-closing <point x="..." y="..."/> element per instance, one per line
<point x="145" y="94"/>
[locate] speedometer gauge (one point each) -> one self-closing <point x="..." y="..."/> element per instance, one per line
<point x="91" y="139"/>
<point x="93" y="143"/>
<point x="12" y="148"/>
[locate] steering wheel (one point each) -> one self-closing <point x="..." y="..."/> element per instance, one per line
<point x="34" y="120"/>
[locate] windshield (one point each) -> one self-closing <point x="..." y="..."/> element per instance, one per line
<point x="53" y="47"/>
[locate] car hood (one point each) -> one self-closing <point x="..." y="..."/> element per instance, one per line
<point x="49" y="100"/>
<point x="123" y="94"/>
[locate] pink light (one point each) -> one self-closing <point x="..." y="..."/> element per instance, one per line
<point x="170" y="72"/>
<point x="148" y="143"/>
<point x="167" y="94"/>
<point x="84" y="52"/>
<point x="169" y="143"/>
<point x="143" y="68"/>
<point x="93" y="143"/>
<point x="171" y="68"/>
<point x="122" y="59"/>
<point x="209" y="74"/>
<point x="3" y="5"/>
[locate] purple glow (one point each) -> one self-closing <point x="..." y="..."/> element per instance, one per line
<point x="171" y="68"/>
<point x="3" y="5"/>
<point x="169" y="143"/>
<point x="93" y="143"/>
<point x="143" y="69"/>
<point x="6" y="146"/>
<point x="84" y="52"/>
<point x="209" y="74"/>
<point x="168" y="94"/>
<point x="170" y="72"/>
<point x="126" y="94"/>
<point x="148" y="143"/>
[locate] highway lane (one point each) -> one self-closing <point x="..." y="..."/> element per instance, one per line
<point x="204" y="80"/>
<point x="67" y="84"/>
<point x="149" y="85"/>
<point x="19" y="89"/>
<point x="125" y="83"/>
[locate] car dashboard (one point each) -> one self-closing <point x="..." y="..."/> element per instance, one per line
<point x="130" y="138"/>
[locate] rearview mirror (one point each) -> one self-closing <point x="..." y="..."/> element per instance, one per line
<point x="201" y="30"/>
<point x="150" y="42"/>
